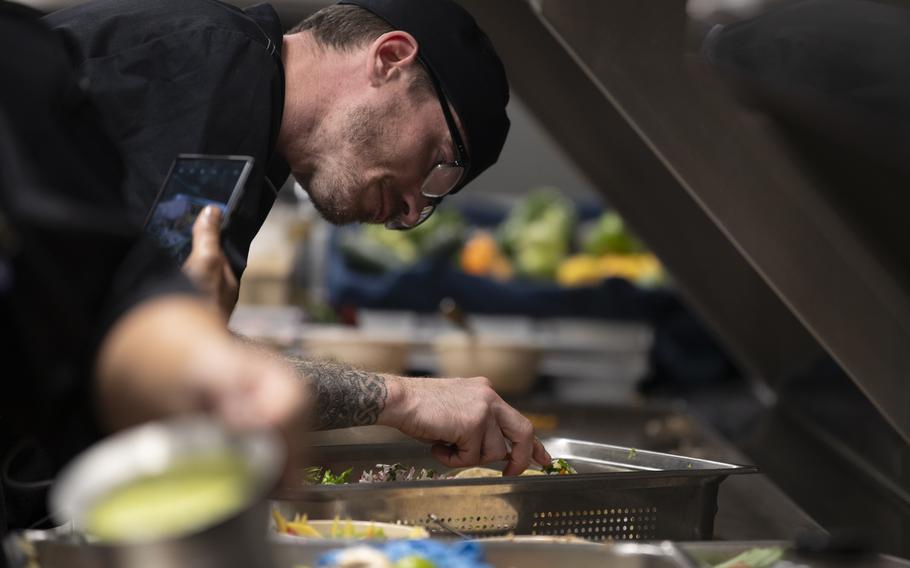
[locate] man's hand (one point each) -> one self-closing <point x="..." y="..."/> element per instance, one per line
<point x="207" y="266"/>
<point x="173" y="356"/>
<point x="465" y="419"/>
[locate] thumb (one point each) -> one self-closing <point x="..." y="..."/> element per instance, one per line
<point x="206" y="229"/>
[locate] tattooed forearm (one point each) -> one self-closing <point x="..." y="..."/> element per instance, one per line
<point x="344" y="396"/>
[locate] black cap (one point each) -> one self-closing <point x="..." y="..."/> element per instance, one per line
<point x="462" y="58"/>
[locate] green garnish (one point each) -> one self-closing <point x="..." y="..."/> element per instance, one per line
<point x="559" y="466"/>
<point x="319" y="476"/>
<point x="328" y="478"/>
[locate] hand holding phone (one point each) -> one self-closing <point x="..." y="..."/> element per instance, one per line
<point x="193" y="182"/>
<point x="207" y="266"/>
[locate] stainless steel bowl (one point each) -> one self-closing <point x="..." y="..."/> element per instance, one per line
<point x="237" y="540"/>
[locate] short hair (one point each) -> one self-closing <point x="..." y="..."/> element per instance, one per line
<point x="345" y="27"/>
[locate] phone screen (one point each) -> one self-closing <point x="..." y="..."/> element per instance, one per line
<point x="193" y="183"/>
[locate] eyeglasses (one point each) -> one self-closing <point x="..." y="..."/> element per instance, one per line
<point x="444" y="176"/>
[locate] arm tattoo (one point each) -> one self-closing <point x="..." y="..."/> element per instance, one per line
<point x="345" y="396"/>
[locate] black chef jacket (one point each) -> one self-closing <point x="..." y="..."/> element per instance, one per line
<point x="70" y="261"/>
<point x="185" y="76"/>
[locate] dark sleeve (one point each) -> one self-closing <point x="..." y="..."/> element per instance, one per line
<point x="72" y="263"/>
<point x="196" y="86"/>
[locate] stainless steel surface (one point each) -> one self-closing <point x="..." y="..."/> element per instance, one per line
<point x="704" y="554"/>
<point x="445" y="526"/>
<point x="754" y="237"/>
<point x="235" y="541"/>
<point x="619" y="494"/>
<point x="524" y="554"/>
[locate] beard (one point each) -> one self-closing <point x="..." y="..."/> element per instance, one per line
<point x="338" y="187"/>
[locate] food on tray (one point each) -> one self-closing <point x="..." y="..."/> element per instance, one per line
<point x="301" y="526"/>
<point x="324" y="476"/>
<point x="407" y="554"/>
<point x="754" y="558"/>
<point x="559" y="466"/>
<point x="398" y="472"/>
<point x="187" y="496"/>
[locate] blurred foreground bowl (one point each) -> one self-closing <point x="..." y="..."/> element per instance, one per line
<point x="367" y="351"/>
<point x="511" y="364"/>
<point x="148" y="481"/>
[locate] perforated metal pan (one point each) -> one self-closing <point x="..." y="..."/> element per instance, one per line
<point x="619" y="494"/>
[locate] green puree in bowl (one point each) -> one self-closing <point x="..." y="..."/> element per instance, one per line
<point x="191" y="494"/>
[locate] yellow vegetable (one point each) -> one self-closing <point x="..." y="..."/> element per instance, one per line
<point x="280" y="522"/>
<point x="579" y="270"/>
<point x="302" y="529"/>
<point x="586" y="270"/>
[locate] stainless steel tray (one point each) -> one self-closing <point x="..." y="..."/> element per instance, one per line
<point x="619" y="494"/>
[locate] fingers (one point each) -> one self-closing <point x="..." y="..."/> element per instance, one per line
<point x="540" y="454"/>
<point x="229" y="292"/>
<point x="457" y="455"/>
<point x="205" y="260"/>
<point x="494" y="445"/>
<point x="207" y="266"/>
<point x="206" y="231"/>
<point x="518" y="430"/>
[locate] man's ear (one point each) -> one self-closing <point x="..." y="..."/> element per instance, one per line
<point x="389" y="54"/>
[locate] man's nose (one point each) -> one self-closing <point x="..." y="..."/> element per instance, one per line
<point x="414" y="203"/>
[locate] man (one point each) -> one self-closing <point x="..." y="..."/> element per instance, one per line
<point x="362" y="101"/>
<point x="380" y="108"/>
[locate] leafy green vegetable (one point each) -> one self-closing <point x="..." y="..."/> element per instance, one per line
<point x="538" y="232"/>
<point x="559" y="467"/>
<point x="610" y="234"/>
<point x="373" y="248"/>
<point x="319" y="476"/>
<point x="328" y="478"/>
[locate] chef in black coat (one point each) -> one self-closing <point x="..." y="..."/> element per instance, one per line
<point x="361" y="102"/>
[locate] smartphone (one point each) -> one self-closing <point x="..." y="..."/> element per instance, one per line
<point x="194" y="182"/>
